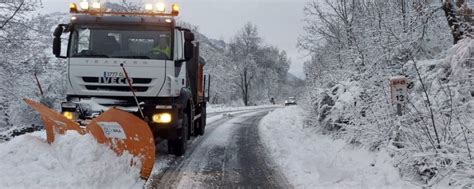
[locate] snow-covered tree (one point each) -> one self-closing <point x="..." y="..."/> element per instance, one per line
<point x="242" y="51"/>
<point x="356" y="47"/>
<point x="261" y="70"/>
<point x="245" y="61"/>
<point x="460" y="18"/>
<point x="26" y="53"/>
<point x="15" y="34"/>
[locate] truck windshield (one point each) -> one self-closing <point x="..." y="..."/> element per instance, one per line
<point x="118" y="43"/>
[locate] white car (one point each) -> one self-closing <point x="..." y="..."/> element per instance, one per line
<point x="290" y="101"/>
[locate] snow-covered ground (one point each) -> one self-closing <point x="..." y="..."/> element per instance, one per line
<point x="310" y="160"/>
<point x="72" y="161"/>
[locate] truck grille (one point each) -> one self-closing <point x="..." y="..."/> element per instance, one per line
<point x="115" y="88"/>
<point x="134" y="80"/>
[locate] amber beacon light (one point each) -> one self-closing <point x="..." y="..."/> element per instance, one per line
<point x="175" y="9"/>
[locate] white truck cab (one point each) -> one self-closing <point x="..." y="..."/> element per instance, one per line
<point x="138" y="61"/>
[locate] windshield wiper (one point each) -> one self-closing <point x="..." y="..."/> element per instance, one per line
<point x="135" y="57"/>
<point x="91" y="55"/>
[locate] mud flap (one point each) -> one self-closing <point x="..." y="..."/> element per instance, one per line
<point x="119" y="130"/>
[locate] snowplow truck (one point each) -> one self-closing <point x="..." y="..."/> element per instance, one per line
<point x="138" y="62"/>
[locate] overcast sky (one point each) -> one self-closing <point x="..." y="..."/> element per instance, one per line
<point x="279" y="22"/>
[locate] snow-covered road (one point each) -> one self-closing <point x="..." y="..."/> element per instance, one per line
<point x="230" y="154"/>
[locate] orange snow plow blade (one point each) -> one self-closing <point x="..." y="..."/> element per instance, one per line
<point x="119" y="130"/>
<point x="123" y="131"/>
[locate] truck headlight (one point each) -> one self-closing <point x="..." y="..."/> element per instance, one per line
<point x="69" y="115"/>
<point x="162" y="118"/>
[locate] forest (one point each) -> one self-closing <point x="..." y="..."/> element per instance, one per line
<point x="357" y="46"/>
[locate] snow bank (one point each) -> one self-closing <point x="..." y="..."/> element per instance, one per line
<point x="310" y="160"/>
<point x="72" y="161"/>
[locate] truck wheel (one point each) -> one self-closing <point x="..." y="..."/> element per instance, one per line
<point x="178" y="146"/>
<point x="202" y="123"/>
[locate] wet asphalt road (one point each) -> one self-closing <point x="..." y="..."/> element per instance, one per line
<point x="229" y="155"/>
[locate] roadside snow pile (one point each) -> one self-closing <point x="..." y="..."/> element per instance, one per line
<point x="72" y="161"/>
<point x="310" y="160"/>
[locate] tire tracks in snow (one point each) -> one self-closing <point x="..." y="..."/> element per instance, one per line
<point x="231" y="161"/>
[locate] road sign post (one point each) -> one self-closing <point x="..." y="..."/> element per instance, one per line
<point x="399" y="92"/>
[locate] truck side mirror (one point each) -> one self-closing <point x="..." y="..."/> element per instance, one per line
<point x="57" y="41"/>
<point x="188" y="45"/>
<point x="57" y="47"/>
<point x="188" y="50"/>
<point x="58" y="31"/>
<point x="208" y="87"/>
